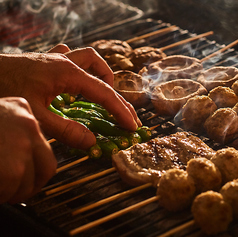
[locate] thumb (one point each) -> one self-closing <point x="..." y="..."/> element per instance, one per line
<point x="64" y="130"/>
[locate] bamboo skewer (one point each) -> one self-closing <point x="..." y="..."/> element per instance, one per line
<point x="186" y="40"/>
<point x="77" y="182"/>
<point x="110" y="199"/>
<point x="177" y="229"/>
<point x="220" y="51"/>
<point x="51" y="140"/>
<point x="164" y="30"/>
<point x="112" y="216"/>
<point x="72" y="164"/>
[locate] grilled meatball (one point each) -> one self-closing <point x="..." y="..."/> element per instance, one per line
<point x="175" y="190"/>
<point x="196" y="111"/>
<point x="234" y="87"/>
<point x="222" y="125"/>
<point x="223" y="96"/>
<point x="143" y="56"/>
<point x="211" y="212"/>
<point x="205" y="174"/>
<point x="226" y="160"/>
<point x="230" y="194"/>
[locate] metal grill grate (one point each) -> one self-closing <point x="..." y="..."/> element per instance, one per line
<point x="54" y="211"/>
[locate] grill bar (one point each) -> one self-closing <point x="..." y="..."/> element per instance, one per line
<point x="56" y="208"/>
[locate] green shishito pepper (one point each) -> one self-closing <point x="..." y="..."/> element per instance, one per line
<point x="80" y="113"/>
<point x="145" y="133"/>
<point x="121" y="141"/>
<point x="94" y="152"/>
<point x="108" y="147"/>
<point x="58" y="102"/>
<point x="68" y="98"/>
<point x="96" y="107"/>
<point x="107" y="128"/>
<point x="56" y="111"/>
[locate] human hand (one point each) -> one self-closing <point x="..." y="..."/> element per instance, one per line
<point x="26" y="159"/>
<point x="39" y="78"/>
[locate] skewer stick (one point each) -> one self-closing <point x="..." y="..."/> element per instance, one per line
<point x="112" y="216"/>
<point x="164" y="30"/>
<point x="51" y="140"/>
<point x="154" y="127"/>
<point x="74" y="183"/>
<point x="110" y="199"/>
<point x="220" y="51"/>
<point x="186" y="40"/>
<point x="72" y="164"/>
<point x="177" y="229"/>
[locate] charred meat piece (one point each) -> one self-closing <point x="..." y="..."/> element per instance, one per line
<point x="145" y="162"/>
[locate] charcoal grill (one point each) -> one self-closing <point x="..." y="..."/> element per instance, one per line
<point x="50" y="215"/>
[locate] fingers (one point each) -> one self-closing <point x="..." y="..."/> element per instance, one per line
<point x="88" y="58"/>
<point x="67" y="131"/>
<point x="60" y="48"/>
<point x="99" y="92"/>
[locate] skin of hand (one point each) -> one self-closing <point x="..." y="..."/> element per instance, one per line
<point x="40" y="77"/>
<point x="26" y="159"/>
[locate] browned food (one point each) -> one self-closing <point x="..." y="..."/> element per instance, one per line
<point x="173" y="67"/>
<point x="211" y="212"/>
<point x="111" y="46"/>
<point x="234" y="87"/>
<point x="205" y="174"/>
<point x="145" y="162"/>
<point x="195" y="112"/>
<point x="222" y="125"/>
<point x="175" y="190"/>
<point x="226" y="160"/>
<point x="119" y="62"/>
<point x="169" y="97"/>
<point x="143" y="56"/>
<point x="223" y="96"/>
<point x="230" y="194"/>
<point x="132" y="87"/>
<point x="218" y="76"/>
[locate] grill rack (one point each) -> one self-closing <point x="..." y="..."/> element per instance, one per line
<point x="150" y="220"/>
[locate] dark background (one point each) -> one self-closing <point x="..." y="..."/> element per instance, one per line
<point x="197" y="16"/>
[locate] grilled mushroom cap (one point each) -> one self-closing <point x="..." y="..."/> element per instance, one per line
<point x="218" y="76"/>
<point x="132" y="87"/>
<point x="107" y="47"/>
<point x="173" y="67"/>
<point x="169" y="97"/>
